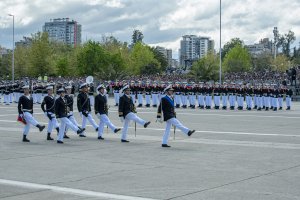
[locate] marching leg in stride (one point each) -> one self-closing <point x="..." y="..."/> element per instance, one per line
<point x="127" y="113"/>
<point x="61" y="111"/>
<point x="25" y="109"/>
<point x="49" y="101"/>
<point x="84" y="108"/>
<point x="168" y="108"/>
<point x="101" y="110"/>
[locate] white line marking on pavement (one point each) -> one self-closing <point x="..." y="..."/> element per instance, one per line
<point x="160" y="129"/>
<point x="70" y="190"/>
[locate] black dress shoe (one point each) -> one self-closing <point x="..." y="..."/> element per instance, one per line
<point x="146" y="124"/>
<point x="60" y="142"/>
<point x="80" y="131"/>
<point x="49" y="137"/>
<point x="67" y="137"/>
<point x="124" y="141"/>
<point x="25" y="139"/>
<point x="100" y="138"/>
<point x="191" y="132"/>
<point x="165" y="145"/>
<point x="117" y="130"/>
<point x="82" y="136"/>
<point x="41" y="128"/>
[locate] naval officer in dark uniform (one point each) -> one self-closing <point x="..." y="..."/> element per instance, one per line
<point x="127" y="112"/>
<point x="84" y="108"/>
<point x="168" y="108"/>
<point x="101" y="111"/>
<point x="25" y="109"/>
<point x="61" y="112"/>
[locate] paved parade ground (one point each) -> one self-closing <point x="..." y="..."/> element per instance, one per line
<point x="233" y="155"/>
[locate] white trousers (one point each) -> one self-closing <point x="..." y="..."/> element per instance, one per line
<point x="116" y="97"/>
<point x="64" y="122"/>
<point x="6" y="99"/>
<point x="53" y="123"/>
<point x="280" y="102"/>
<point x="267" y="102"/>
<point x="104" y="120"/>
<point x="192" y="99"/>
<point x="133" y="117"/>
<point x="92" y="99"/>
<point x="175" y="122"/>
<point x="184" y="100"/>
<point x="288" y="101"/>
<point x="201" y="100"/>
<point x="224" y="100"/>
<point x="208" y="100"/>
<point x="29" y="120"/>
<point x="177" y="99"/>
<point x="39" y="98"/>
<point x="240" y="101"/>
<point x="217" y="100"/>
<point x="148" y="99"/>
<point x="249" y="101"/>
<point x="140" y="99"/>
<point x="88" y="118"/>
<point x="154" y="99"/>
<point x="133" y="98"/>
<point x="232" y="100"/>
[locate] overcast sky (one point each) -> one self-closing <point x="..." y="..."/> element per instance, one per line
<point x="162" y="22"/>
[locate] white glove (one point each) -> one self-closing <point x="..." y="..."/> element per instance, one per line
<point x="160" y="120"/>
<point x="122" y="119"/>
<point x="71" y="113"/>
<point x="21" y="115"/>
<point x="46" y="114"/>
<point x="53" y="115"/>
<point x="98" y="115"/>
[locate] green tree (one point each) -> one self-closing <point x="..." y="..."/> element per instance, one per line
<point x="22" y="64"/>
<point x="137" y="37"/>
<point x="39" y="55"/>
<point x="238" y="59"/>
<point x="142" y="57"/>
<point x="230" y="45"/>
<point x="205" y="69"/>
<point x="285" y="41"/>
<point x="262" y="62"/>
<point x="92" y="59"/>
<point x="281" y="63"/>
<point x="5" y="65"/>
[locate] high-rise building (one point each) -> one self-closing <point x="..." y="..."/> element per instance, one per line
<point x="167" y="53"/>
<point x="64" y="30"/>
<point x="194" y="47"/>
<point x="264" y="46"/>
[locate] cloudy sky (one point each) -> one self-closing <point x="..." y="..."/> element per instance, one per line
<point x="162" y="22"/>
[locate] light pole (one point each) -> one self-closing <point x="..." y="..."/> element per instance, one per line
<point x="220" y="72"/>
<point x="13" y="50"/>
<point x="275" y="31"/>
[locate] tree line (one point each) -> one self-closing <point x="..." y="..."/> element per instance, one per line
<point x="236" y="58"/>
<point x="108" y="59"/>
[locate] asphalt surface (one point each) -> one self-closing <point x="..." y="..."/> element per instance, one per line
<point x="233" y="155"/>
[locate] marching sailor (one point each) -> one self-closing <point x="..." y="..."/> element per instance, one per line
<point x="101" y="110"/>
<point x="49" y="101"/>
<point x="84" y="108"/>
<point x="127" y="112"/>
<point x="61" y="111"/>
<point x="70" y="102"/>
<point x="25" y="109"/>
<point x="167" y="107"/>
